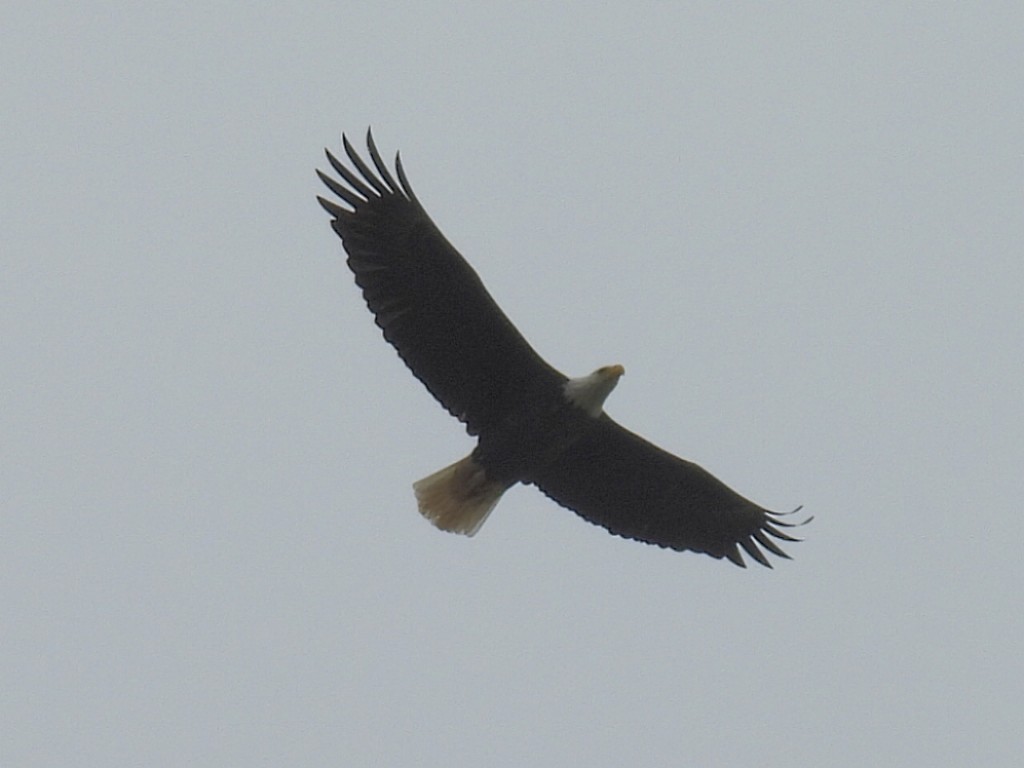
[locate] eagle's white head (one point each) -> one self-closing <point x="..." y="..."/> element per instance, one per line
<point x="589" y="392"/>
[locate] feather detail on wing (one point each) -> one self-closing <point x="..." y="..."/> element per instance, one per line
<point x="618" y="480"/>
<point x="431" y="305"/>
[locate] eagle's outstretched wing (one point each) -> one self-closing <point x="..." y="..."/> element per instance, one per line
<point x="430" y="303"/>
<point x="626" y="484"/>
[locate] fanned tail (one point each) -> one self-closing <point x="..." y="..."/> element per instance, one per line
<point x="459" y="497"/>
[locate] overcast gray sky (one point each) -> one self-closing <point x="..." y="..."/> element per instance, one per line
<point x="800" y="227"/>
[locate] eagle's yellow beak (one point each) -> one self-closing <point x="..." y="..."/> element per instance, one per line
<point x="614" y="371"/>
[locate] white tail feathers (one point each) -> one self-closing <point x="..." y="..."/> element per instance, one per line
<point x="459" y="497"/>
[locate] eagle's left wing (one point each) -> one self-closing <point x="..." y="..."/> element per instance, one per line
<point x="616" y="479"/>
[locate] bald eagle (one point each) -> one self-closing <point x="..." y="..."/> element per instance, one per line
<point x="533" y="424"/>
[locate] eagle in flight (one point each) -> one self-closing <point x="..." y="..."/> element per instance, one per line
<point x="533" y="424"/>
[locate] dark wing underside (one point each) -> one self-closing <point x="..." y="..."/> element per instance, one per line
<point x="429" y="302"/>
<point x="620" y="481"/>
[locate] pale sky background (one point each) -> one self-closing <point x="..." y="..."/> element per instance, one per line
<point x="799" y="226"/>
